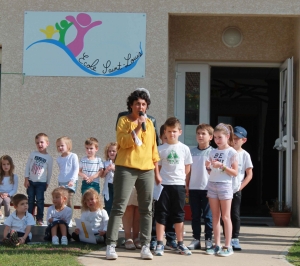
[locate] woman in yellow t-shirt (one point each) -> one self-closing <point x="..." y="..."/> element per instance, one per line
<point x="136" y="159"/>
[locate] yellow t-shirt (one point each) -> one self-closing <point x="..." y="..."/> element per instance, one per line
<point x="131" y="155"/>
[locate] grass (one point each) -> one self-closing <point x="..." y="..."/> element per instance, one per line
<point x="45" y="254"/>
<point x="293" y="256"/>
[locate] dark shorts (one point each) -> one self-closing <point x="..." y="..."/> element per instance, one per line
<point x="170" y="204"/>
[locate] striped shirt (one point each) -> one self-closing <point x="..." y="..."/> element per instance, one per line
<point x="91" y="167"/>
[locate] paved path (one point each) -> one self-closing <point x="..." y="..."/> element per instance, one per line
<point x="262" y="246"/>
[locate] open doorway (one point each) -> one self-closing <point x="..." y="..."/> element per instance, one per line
<point x="249" y="97"/>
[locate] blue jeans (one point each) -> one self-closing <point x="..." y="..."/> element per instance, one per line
<point x="108" y="203"/>
<point x="200" y="207"/>
<point x="36" y="192"/>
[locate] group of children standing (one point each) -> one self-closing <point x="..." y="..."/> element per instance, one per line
<point x="212" y="178"/>
<point x="38" y="172"/>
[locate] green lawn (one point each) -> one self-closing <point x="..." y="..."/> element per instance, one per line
<point x="45" y="254"/>
<point x="293" y="256"/>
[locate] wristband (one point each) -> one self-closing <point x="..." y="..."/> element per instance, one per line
<point x="224" y="168"/>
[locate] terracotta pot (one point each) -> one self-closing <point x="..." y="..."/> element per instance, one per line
<point x="281" y="218"/>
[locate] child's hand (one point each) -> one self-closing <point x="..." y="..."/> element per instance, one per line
<point x="89" y="180"/>
<point x="50" y="220"/>
<point x="77" y="231"/>
<point x="158" y="179"/>
<point x="21" y="240"/>
<point x="85" y="177"/>
<point x="102" y="233"/>
<point x="4" y="195"/>
<point x="26" y="183"/>
<point x="70" y="184"/>
<point x="216" y="164"/>
<point x="207" y="164"/>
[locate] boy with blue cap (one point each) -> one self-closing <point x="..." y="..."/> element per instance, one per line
<point x="239" y="182"/>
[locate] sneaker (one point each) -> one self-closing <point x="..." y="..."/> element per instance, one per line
<point x="235" y="243"/>
<point x="208" y="243"/>
<point x="159" y="251"/>
<point x="39" y="222"/>
<point x="111" y="253"/>
<point x="171" y="245"/>
<point x="225" y="252"/>
<point x="153" y="245"/>
<point x="183" y="250"/>
<point x="64" y="240"/>
<point x="213" y="250"/>
<point x="146" y="253"/>
<point x="55" y="240"/>
<point x="195" y="244"/>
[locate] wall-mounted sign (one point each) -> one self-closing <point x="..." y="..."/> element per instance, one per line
<point x="84" y="44"/>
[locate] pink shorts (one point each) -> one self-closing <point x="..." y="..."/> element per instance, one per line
<point x="219" y="190"/>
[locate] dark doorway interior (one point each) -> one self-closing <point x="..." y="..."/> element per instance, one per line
<point x="249" y="97"/>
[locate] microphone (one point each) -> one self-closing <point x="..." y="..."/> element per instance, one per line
<point x="143" y="124"/>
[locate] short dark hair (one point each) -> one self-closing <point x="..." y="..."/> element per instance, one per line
<point x="172" y="122"/>
<point x="134" y="96"/>
<point x="206" y="127"/>
<point x="162" y="130"/>
<point x="17" y="198"/>
<point x="92" y="141"/>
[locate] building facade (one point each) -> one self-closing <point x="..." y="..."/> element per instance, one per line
<point x="192" y="70"/>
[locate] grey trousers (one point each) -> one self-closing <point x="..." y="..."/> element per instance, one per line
<point x="124" y="180"/>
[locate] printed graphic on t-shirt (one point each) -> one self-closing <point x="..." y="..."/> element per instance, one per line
<point x="219" y="157"/>
<point x="173" y="158"/>
<point x="37" y="166"/>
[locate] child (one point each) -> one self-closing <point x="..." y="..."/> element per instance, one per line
<point x="18" y="224"/>
<point x="58" y="217"/>
<point x="8" y="183"/>
<point x="174" y="164"/>
<point x="197" y="187"/>
<point x="110" y="153"/>
<point x="38" y="173"/>
<point x="238" y="183"/>
<point x="222" y="166"/>
<point x="90" y="166"/>
<point x="94" y="214"/>
<point x="68" y="168"/>
<point x="171" y="243"/>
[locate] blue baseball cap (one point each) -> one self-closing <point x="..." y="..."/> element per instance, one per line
<point x="240" y="132"/>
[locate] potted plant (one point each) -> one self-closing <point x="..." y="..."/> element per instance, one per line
<point x="280" y="212"/>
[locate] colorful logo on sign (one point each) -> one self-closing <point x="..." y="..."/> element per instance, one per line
<point x="83" y="23"/>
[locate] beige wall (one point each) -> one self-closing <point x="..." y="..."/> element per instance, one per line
<point x="83" y="107"/>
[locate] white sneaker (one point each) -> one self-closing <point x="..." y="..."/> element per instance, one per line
<point x="146" y="253"/>
<point x="208" y="243"/>
<point x="195" y="244"/>
<point x="64" y="240"/>
<point x="111" y="253"/>
<point x="55" y="240"/>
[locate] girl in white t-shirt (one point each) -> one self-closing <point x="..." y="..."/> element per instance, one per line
<point x="110" y="153"/>
<point x="8" y="183"/>
<point x="68" y="168"/>
<point x="222" y="167"/>
<point x="94" y="214"/>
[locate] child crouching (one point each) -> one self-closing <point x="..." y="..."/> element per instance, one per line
<point x="94" y="214"/>
<point x="18" y="224"/>
<point x="58" y="217"/>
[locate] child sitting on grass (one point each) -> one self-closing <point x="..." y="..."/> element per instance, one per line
<point x="18" y="224"/>
<point x="58" y="217"/>
<point x="94" y="214"/>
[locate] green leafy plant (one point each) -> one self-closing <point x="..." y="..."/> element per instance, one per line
<point x="278" y="206"/>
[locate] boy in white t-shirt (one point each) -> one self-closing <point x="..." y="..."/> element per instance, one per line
<point x="239" y="182"/>
<point x="197" y="187"/>
<point x="175" y="162"/>
<point x="18" y="225"/>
